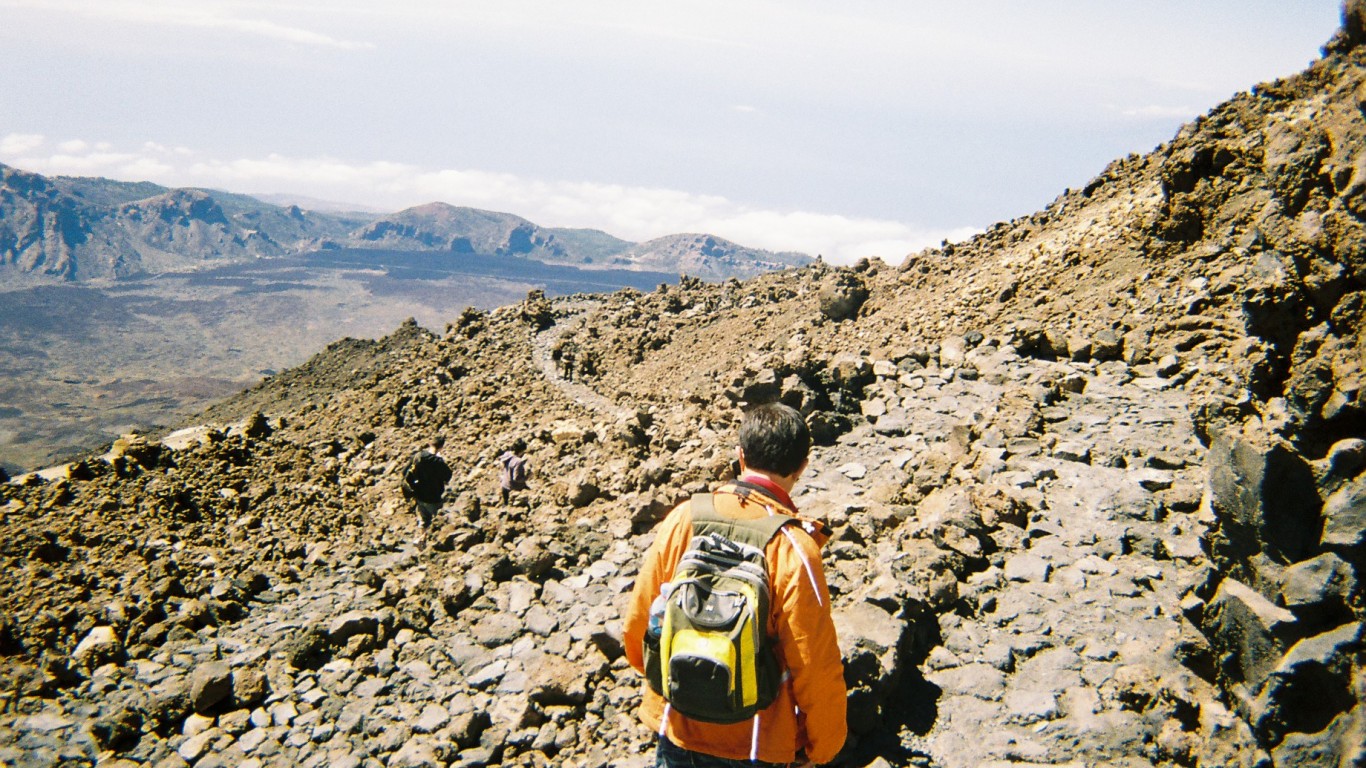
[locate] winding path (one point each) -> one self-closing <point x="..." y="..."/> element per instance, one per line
<point x="541" y="345"/>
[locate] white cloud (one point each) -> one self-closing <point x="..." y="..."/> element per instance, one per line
<point x="220" y="15"/>
<point x="1158" y="111"/>
<point x="631" y="212"/>
<point x="19" y="143"/>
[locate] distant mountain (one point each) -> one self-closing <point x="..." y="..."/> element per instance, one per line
<point x="697" y="254"/>
<point x="75" y="229"/>
<point x="442" y="227"/>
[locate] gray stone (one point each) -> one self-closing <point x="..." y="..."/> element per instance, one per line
<point x="249" y="686"/>
<point x="540" y="621"/>
<point x="351" y="719"/>
<point x="196" y="724"/>
<point x="100" y="646"/>
<point x="871" y="640"/>
<point x="1028" y="707"/>
<point x="1318" y="587"/>
<point x="516" y="711"/>
<point x="210" y="683"/>
<point x="1335" y="745"/>
<point x="283" y="713"/>
<point x="1248" y="632"/>
<point x="415" y="753"/>
<point x="1266" y="497"/>
<point x="466" y="727"/>
<point x="1347" y="457"/>
<point x="252" y="739"/>
<point x="433" y="717"/>
<point x="1025" y="566"/>
<point x="350" y="624"/>
<point x="841" y="295"/>
<point x="981" y="681"/>
<point x="1168" y="366"/>
<point x="370" y="687"/>
<point x="235" y="722"/>
<point x="1072" y="450"/>
<point x="1107" y="345"/>
<point x="853" y="470"/>
<point x="1311" y="686"/>
<point x="496" y="629"/>
<point x="1344" y="516"/>
<point x="195" y="746"/>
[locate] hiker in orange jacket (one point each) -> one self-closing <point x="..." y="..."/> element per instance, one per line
<point x="806" y="722"/>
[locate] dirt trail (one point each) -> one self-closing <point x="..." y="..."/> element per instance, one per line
<point x="544" y="342"/>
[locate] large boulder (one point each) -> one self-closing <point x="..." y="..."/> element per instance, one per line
<point x="210" y="683"/>
<point x="1310" y="687"/>
<point x="1266" y="499"/>
<point x="842" y="295"/>
<point x="100" y="646"/>
<point x="1248" y="634"/>
<point x="1344" y="518"/>
<point x="873" y="642"/>
<point x="1319" y="590"/>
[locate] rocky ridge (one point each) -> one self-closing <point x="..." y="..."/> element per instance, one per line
<point x="1095" y="477"/>
<point x="72" y="229"/>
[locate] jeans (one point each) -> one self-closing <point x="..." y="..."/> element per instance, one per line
<point x="670" y="755"/>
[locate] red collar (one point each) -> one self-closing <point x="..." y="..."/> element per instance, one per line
<point x="770" y="487"/>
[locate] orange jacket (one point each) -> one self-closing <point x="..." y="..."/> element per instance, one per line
<point x="809" y="712"/>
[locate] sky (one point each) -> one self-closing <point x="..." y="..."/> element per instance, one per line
<point x="849" y="129"/>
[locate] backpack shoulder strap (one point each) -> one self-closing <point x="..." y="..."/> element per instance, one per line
<point x="756" y="532"/>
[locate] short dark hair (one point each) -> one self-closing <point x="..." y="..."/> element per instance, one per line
<point x="438" y="442"/>
<point x="775" y="438"/>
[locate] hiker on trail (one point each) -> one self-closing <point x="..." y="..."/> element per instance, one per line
<point x="512" y="474"/>
<point x="424" y="482"/>
<point x="567" y="352"/>
<point x="785" y="678"/>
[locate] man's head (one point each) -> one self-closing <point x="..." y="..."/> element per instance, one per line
<point x="438" y="443"/>
<point x="774" y="438"/>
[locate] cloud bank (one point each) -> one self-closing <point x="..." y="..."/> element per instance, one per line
<point x="631" y="212"/>
<point x="223" y="16"/>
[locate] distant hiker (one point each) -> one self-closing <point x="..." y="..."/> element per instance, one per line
<point x="567" y="352"/>
<point x="765" y="683"/>
<point x="424" y="482"/>
<point x="512" y="475"/>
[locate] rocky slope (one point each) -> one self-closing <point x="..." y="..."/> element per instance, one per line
<point x="1096" y="478"/>
<point x="80" y="229"/>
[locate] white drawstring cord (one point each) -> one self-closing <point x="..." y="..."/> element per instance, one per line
<point x="754" y="740"/>
<point x="810" y="574"/>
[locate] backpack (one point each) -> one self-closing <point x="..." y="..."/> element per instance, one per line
<point x="425" y="477"/>
<point x="707" y="651"/>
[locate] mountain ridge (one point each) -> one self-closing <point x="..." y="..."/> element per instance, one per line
<point x="88" y="228"/>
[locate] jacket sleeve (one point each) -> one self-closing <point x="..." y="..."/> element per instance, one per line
<point x="655" y="569"/>
<point x="811" y="652"/>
